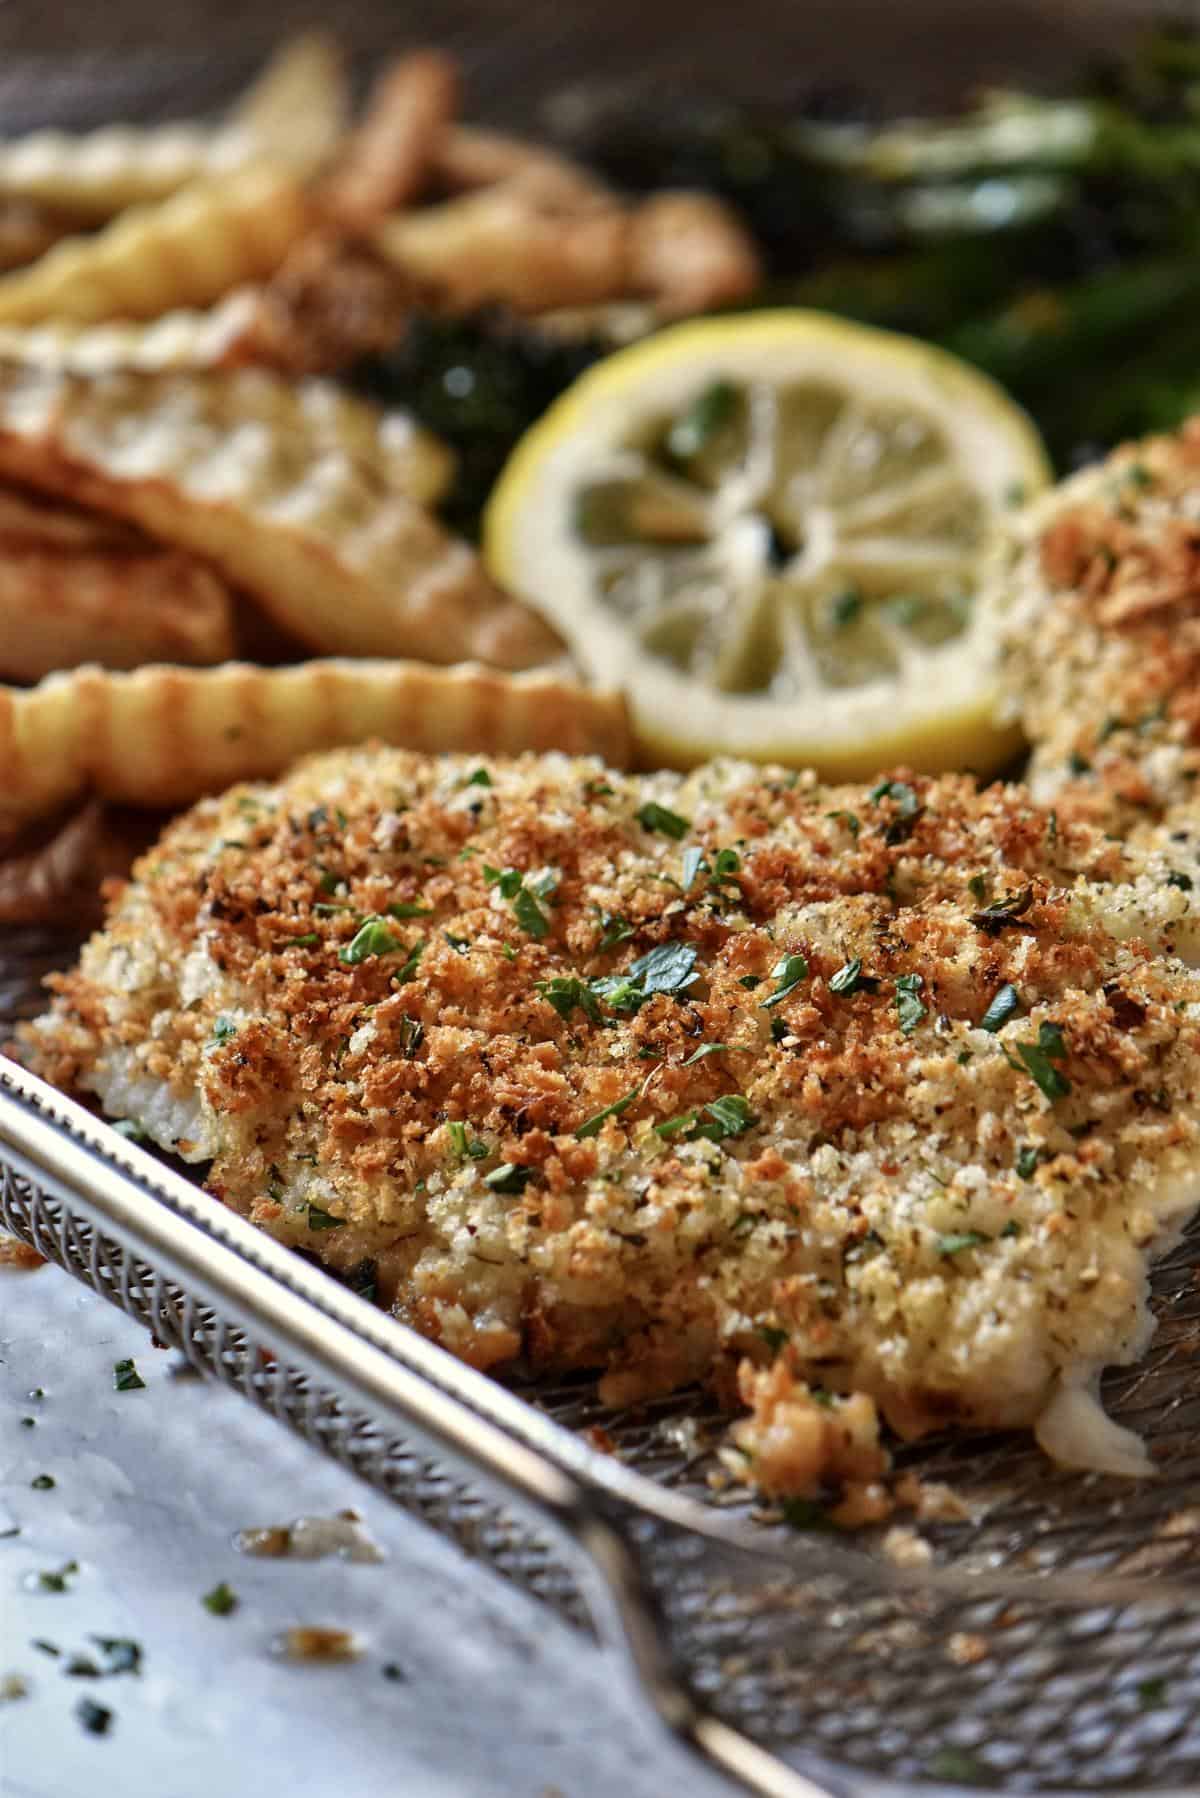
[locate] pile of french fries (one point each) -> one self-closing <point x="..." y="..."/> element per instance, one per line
<point x="182" y="486"/>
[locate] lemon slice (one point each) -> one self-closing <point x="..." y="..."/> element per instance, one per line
<point x="769" y="532"/>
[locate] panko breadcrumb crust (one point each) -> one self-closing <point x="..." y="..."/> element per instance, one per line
<point x="902" y="1100"/>
<point x="1102" y="594"/>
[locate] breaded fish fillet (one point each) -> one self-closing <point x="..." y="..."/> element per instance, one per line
<point x="1103" y="634"/>
<point x="655" y="1073"/>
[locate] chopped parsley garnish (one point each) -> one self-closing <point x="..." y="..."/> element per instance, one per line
<point x="221" y="1600"/>
<point x="728" y="864"/>
<point x="466" y="1146"/>
<point x="1005" y="1005"/>
<point x="789" y="971"/>
<point x="306" y="941"/>
<point x="848" y="819"/>
<point x="126" y="1377"/>
<point x="750" y="981"/>
<point x="669" y="968"/>
<point x="123" y="1654"/>
<point x="412" y="1035"/>
<point x="1078" y="764"/>
<point x="1027" y="1161"/>
<point x="1151" y="1694"/>
<point x="774" y="1338"/>
<point x="328" y="882"/>
<point x="614" y="930"/>
<point x="130" y="1129"/>
<point x="223" y="1030"/>
<point x="56" y="1579"/>
<point x="372" y="938"/>
<point x="1004" y="911"/>
<point x="957" y="1240"/>
<point x="409" y="909"/>
<point x="910" y="1008"/>
<point x="43" y="1482"/>
<point x="408" y="967"/>
<point x="977" y="887"/>
<point x="323" y="1220"/>
<point x="363" y="1278"/>
<point x="567" y="994"/>
<point x="96" y="1718"/>
<point x="510" y="1176"/>
<point x="1039" y="1059"/>
<point x="719" y="1119"/>
<point x="1184" y="882"/>
<point x="523" y="896"/>
<point x="656" y="817"/>
<point x="908" y="806"/>
<point x="593" y="1125"/>
<point x="480" y="778"/>
<point x="529" y="914"/>
<point x="849" y="977"/>
<point x="702" y="1051"/>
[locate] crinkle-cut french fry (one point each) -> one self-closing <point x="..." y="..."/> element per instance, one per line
<point x="28" y="230"/>
<point x="293" y="115"/>
<point x="78" y="588"/>
<point x="688" y="252"/>
<point x="289" y="489"/>
<point x="184" y="339"/>
<point x="186" y="251"/>
<point x="163" y="736"/>
<point x="297" y="110"/>
<point x="467" y="156"/>
<point x="493" y="247"/>
<point x="512" y="244"/>
<point x="384" y="162"/>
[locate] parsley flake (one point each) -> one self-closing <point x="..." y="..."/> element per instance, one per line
<point x="372" y="938"/>
<point x="409" y="909"/>
<point x="529" y="915"/>
<point x="221" y="1600"/>
<point x="43" y="1482"/>
<point x="126" y="1377"/>
<point x="566" y="993"/>
<point x="614" y="930"/>
<point x="1039" y="1059"/>
<point x="704" y="1050"/>
<point x="1005" y="1005"/>
<point x="223" y="1030"/>
<point x="910" y="1008"/>
<point x="96" y="1718"/>
<point x="480" y="778"/>
<point x="789" y="971"/>
<point x="55" y="1580"/>
<point x="466" y="1146"/>
<point x="323" y="1220"/>
<point x="908" y="808"/>
<point x="849" y="977"/>
<point x="1184" y="882"/>
<point x="1027" y="1160"/>
<point x="656" y="817"/>
<point x="721" y="1118"/>
<point x="510" y="1176"/>
<point x="1002" y="912"/>
<point x="592" y="1126"/>
<point x="957" y="1240"/>
<point x="852" y="823"/>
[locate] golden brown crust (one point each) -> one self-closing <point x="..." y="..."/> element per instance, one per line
<point x="810" y="1136"/>
<point x="161" y="736"/>
<point x="1103" y="651"/>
